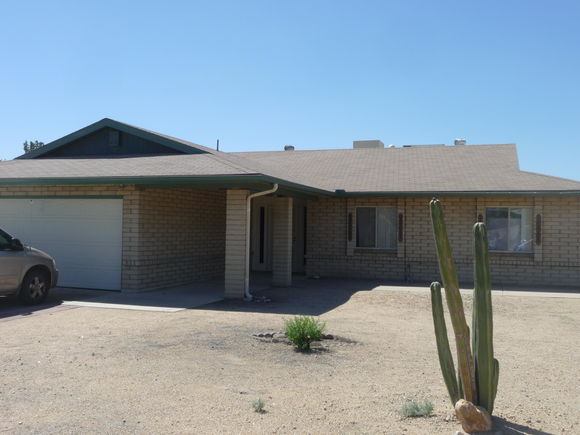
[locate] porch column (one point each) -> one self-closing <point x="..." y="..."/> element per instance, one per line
<point x="236" y="228"/>
<point x="282" y="242"/>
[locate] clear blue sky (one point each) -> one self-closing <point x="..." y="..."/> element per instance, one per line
<point x="314" y="74"/>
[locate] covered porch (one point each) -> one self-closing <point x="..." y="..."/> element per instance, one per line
<point x="265" y="233"/>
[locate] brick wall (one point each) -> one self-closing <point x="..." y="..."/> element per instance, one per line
<point x="176" y="236"/>
<point x="181" y="237"/>
<point x="556" y="261"/>
<point x="170" y="236"/>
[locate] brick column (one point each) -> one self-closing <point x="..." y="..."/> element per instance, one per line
<point x="131" y="278"/>
<point x="282" y="242"/>
<point x="236" y="227"/>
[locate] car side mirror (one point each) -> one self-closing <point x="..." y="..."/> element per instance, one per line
<point x="16" y="245"/>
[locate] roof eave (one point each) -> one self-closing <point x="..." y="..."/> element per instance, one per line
<point x="465" y="193"/>
<point x="239" y="181"/>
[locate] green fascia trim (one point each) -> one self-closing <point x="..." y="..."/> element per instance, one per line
<point x="282" y="191"/>
<point x="298" y="187"/>
<point x="104" y="123"/>
<point x="61" y="196"/>
<point x="472" y="194"/>
<point x="255" y="182"/>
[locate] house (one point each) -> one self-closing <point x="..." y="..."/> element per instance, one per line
<point x="123" y="208"/>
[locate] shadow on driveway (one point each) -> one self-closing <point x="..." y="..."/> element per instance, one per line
<point x="314" y="297"/>
<point x="311" y="297"/>
<point x="306" y="296"/>
<point x="169" y="300"/>
<point x="11" y="308"/>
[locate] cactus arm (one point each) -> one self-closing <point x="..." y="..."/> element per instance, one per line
<point x="454" y="302"/>
<point x="445" y="357"/>
<point x="482" y="326"/>
<point x="460" y="386"/>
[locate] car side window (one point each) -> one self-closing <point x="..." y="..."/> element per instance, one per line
<point x="4" y="243"/>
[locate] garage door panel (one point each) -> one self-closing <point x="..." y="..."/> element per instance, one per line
<point x="79" y="277"/>
<point x="84" y="209"/>
<point x="68" y="231"/>
<point x="78" y="254"/>
<point x="83" y="235"/>
<point x="68" y="262"/>
<point x="13" y="210"/>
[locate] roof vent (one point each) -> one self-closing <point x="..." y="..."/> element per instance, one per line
<point x="288" y="147"/>
<point x="460" y="141"/>
<point x="113" y="139"/>
<point x="356" y="144"/>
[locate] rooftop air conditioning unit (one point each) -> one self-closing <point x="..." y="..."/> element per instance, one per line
<point x="358" y="144"/>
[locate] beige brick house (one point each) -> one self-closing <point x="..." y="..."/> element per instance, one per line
<point x="123" y="208"/>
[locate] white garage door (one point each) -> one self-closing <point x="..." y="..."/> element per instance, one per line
<point x="84" y="236"/>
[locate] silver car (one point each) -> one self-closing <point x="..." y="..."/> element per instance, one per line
<point x="25" y="271"/>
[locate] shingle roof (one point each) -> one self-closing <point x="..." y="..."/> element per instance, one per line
<point x="468" y="169"/>
<point x="465" y="168"/>
<point x="114" y="166"/>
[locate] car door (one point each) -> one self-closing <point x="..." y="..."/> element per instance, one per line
<point x="11" y="263"/>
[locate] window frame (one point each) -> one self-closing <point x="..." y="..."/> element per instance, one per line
<point x="509" y="209"/>
<point x="375" y="248"/>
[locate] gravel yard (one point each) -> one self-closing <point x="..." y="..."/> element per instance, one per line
<point x="91" y="370"/>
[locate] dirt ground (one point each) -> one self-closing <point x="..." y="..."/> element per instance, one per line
<point x="90" y="370"/>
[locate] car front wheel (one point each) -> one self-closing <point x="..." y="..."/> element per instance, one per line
<point x="35" y="287"/>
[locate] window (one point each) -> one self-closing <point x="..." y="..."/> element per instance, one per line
<point x="376" y="227"/>
<point x="4" y="243"/>
<point x="509" y="229"/>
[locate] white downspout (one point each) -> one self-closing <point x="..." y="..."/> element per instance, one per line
<point x="247" y="294"/>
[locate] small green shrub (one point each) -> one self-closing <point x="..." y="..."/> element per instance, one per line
<point x="303" y="330"/>
<point x="415" y="409"/>
<point x="259" y="405"/>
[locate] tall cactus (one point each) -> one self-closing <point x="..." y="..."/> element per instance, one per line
<point x="478" y="375"/>
<point x="454" y="302"/>
<point x="445" y="357"/>
<point x="482" y="326"/>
